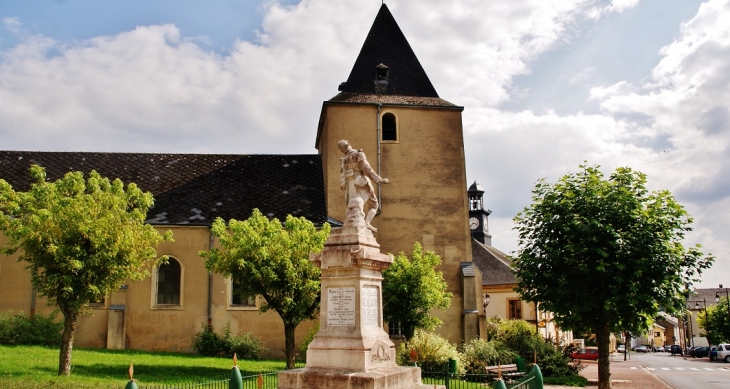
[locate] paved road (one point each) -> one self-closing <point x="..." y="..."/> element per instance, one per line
<point x="685" y="372"/>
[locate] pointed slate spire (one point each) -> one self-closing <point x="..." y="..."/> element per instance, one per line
<point x="387" y="64"/>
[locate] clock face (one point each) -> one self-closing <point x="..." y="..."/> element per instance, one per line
<point x="473" y="223"/>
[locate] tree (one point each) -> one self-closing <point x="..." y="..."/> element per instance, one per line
<point x="716" y="322"/>
<point x="272" y="260"/>
<point x="411" y="289"/>
<point x="81" y="239"/>
<point x="605" y="254"/>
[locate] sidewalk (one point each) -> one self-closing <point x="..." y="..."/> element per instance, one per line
<point x="622" y="376"/>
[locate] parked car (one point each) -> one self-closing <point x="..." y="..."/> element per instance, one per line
<point x="641" y="349"/>
<point x="713" y="353"/>
<point x="658" y="349"/>
<point x="621" y="349"/>
<point x="723" y="352"/>
<point x="590" y="353"/>
<point x="667" y="348"/>
<point x="700" y="352"/>
<point x="676" y="350"/>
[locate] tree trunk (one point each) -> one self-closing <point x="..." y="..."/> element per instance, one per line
<point x="604" y="362"/>
<point x="627" y="347"/>
<point x="67" y="342"/>
<point x="289" y="344"/>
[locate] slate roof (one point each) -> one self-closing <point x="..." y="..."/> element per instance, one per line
<point x="363" y="98"/>
<point x="386" y="44"/>
<point x="467" y="269"/>
<point x="494" y="264"/>
<point x="707" y="294"/>
<point x="194" y="188"/>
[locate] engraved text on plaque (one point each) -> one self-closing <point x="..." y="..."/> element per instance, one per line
<point x="369" y="306"/>
<point x="340" y="307"/>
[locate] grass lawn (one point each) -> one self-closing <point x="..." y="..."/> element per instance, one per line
<point x="36" y="367"/>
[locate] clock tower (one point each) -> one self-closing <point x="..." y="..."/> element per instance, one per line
<point x="478" y="216"/>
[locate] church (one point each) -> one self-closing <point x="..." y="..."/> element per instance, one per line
<point x="388" y="108"/>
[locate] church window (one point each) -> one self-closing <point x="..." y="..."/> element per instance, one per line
<point x="168" y="283"/>
<point x="390" y="130"/>
<point x="515" y="309"/>
<point x="395" y="330"/>
<point x="238" y="297"/>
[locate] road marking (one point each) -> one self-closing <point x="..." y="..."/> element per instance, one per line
<point x="679" y="368"/>
<point x="633" y="367"/>
<point x="709" y="368"/>
<point x="650" y="368"/>
<point x="665" y="368"/>
<point x="693" y="368"/>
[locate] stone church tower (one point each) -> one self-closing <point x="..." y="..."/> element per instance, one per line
<point x="389" y="109"/>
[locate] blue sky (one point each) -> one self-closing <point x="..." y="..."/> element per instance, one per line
<point x="545" y="86"/>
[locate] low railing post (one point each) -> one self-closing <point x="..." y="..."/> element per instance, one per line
<point x="236" y="381"/>
<point x="132" y="384"/>
<point x="538" y="377"/>
<point x="499" y="384"/>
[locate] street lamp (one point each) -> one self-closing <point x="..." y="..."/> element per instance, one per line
<point x="485" y="302"/>
<point x="717" y="298"/>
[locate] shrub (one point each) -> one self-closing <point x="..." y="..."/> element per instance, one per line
<point x="42" y="330"/>
<point x="246" y="346"/>
<point x="479" y="353"/>
<point x="430" y="351"/>
<point x="520" y="336"/>
<point x="307" y="340"/>
<point x="573" y="380"/>
<point x="208" y="343"/>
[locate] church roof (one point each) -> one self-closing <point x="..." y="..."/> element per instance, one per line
<point x="387" y="49"/>
<point x="371" y="98"/>
<point x="194" y="188"/>
<point x="494" y="264"/>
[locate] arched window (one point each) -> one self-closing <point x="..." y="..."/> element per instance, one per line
<point x="168" y="283"/>
<point x="390" y="130"/>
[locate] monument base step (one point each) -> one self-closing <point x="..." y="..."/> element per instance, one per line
<point x="398" y="377"/>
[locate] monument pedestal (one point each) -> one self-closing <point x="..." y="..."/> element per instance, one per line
<point x="351" y="349"/>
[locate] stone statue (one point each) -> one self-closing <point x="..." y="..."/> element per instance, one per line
<point x="356" y="178"/>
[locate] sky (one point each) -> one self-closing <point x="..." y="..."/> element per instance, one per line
<point x="546" y="86"/>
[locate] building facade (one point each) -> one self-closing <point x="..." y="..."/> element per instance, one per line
<point x="387" y="107"/>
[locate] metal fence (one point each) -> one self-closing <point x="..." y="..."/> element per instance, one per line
<point x="439" y="375"/>
<point x="446" y="375"/>
<point x="248" y="380"/>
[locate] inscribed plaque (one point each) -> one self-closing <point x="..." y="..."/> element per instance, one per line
<point x="369" y="306"/>
<point x="340" y="307"/>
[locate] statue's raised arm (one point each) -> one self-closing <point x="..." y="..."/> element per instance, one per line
<point x="356" y="178"/>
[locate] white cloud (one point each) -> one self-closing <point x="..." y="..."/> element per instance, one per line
<point x="13" y="25"/>
<point x="151" y="89"/>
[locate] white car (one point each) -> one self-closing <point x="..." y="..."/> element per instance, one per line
<point x="723" y="352"/>
<point x="621" y="349"/>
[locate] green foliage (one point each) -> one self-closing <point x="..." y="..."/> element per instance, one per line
<point x="307" y="340"/>
<point x="520" y="337"/>
<point x="717" y="322"/>
<point x="412" y="288"/>
<point x="273" y="261"/>
<point x="571" y="380"/>
<point x="208" y="343"/>
<point x="430" y="351"/>
<point x="479" y="353"/>
<point x="81" y="238"/>
<point x="39" y="330"/>
<point x="610" y="239"/>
